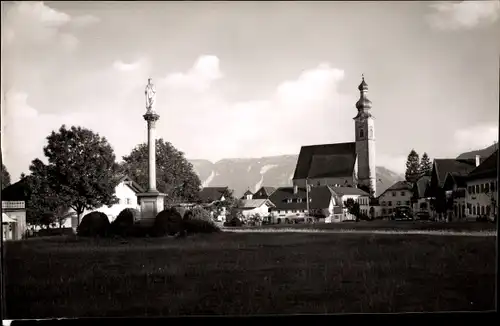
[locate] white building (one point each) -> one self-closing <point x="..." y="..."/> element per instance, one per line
<point x="251" y="207"/>
<point x="482" y="189"/>
<point x="126" y="191"/>
<point x="397" y="195"/>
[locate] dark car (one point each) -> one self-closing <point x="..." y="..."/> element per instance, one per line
<point x="402" y="214"/>
<point x="423" y="216"/>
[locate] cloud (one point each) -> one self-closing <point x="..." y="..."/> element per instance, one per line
<point x="475" y="137"/>
<point x="464" y="14"/>
<point x="35" y="22"/>
<point x="395" y="163"/>
<point x="199" y="78"/>
<point x="85" y="20"/>
<point x="122" y="66"/>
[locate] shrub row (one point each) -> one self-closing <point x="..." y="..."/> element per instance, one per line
<point x="171" y="221"/>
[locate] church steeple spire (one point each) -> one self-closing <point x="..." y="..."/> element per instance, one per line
<point x="363" y="104"/>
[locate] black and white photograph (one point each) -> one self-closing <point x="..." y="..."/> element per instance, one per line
<point x="248" y="158"/>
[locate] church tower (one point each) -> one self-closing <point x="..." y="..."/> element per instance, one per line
<point x="365" y="141"/>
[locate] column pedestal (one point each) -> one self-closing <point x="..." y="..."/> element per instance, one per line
<point x="151" y="204"/>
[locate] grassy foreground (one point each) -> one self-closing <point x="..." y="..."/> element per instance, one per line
<point x="231" y="273"/>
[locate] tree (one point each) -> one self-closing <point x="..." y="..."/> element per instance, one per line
<point x="174" y="174"/>
<point x="412" y="167"/>
<point x="5" y="177"/>
<point x="81" y="173"/>
<point x="425" y="165"/>
<point x="352" y="207"/>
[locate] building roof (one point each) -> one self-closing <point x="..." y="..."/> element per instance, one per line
<point x="248" y="192"/>
<point x="18" y="191"/>
<point x="319" y="198"/>
<point x="130" y="183"/>
<point x="445" y="166"/>
<point x="211" y="194"/>
<point x="326" y="161"/>
<point x="264" y="192"/>
<point x="487" y="169"/>
<point x="346" y="191"/>
<point x="400" y="185"/>
<point x="421" y="186"/>
<point x="253" y="203"/>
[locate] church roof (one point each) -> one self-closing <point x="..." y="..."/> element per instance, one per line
<point x="319" y="197"/>
<point x="326" y="161"/>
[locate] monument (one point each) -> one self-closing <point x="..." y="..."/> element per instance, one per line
<point x="151" y="201"/>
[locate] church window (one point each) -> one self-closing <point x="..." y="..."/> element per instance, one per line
<point x="361" y="133"/>
<point x="370" y="132"/>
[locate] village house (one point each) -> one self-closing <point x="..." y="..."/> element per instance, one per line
<point x="482" y="189"/>
<point x="210" y="197"/>
<point x="14" y="199"/>
<point x="396" y="196"/>
<point x="357" y="195"/>
<point x="126" y="191"/>
<point x="420" y="199"/>
<point x="255" y="207"/>
<point x="343" y="164"/>
<point x="440" y="170"/>
<point x="455" y="189"/>
<point x="247" y="195"/>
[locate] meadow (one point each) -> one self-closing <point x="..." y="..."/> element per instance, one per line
<point x="248" y="273"/>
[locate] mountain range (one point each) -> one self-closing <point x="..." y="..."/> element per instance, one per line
<point x="242" y="174"/>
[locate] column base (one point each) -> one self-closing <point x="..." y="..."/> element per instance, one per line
<point x="152" y="202"/>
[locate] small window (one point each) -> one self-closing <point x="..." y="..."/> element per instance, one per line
<point x="289" y="200"/>
<point x="469" y="189"/>
<point x="383" y="203"/>
<point x="487" y="187"/>
<point x="128" y="201"/>
<point x="393" y="194"/>
<point x="477" y="189"/>
<point x="482" y="187"/>
<point x="390" y="203"/>
<point x="474" y="210"/>
<point x="361" y="133"/>
<point x="492" y="186"/>
<point x="402" y="193"/>
<point x="299" y="200"/>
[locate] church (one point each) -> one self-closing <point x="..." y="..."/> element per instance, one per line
<point x="349" y="164"/>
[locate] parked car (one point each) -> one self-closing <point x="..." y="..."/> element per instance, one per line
<point x="401" y="214"/>
<point x="423" y="216"/>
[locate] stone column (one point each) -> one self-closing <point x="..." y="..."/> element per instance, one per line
<point x="151" y="119"/>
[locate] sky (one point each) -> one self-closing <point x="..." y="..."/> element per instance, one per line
<point x="251" y="79"/>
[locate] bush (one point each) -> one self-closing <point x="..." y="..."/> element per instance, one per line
<point x="198" y="220"/>
<point x="168" y="222"/>
<point x="124" y="222"/>
<point x="180" y="210"/>
<point x="94" y="224"/>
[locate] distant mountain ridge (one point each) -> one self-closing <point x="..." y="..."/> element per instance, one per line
<point x="483" y="153"/>
<point x="241" y="174"/>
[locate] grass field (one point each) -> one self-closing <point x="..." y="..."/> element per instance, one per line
<point x="230" y="273"/>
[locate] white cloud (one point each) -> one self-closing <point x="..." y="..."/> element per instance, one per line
<point x="85" y="20"/>
<point x="205" y="70"/>
<point x="464" y="14"/>
<point x="476" y="137"/>
<point x="122" y="66"/>
<point x="396" y="163"/>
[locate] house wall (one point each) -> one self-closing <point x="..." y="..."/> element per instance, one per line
<point x="15" y="210"/>
<point x="127" y="199"/>
<point x="363" y="202"/>
<point x="263" y="210"/>
<point x="478" y="202"/>
<point x="390" y="199"/>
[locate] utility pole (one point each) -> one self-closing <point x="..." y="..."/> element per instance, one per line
<point x="307" y="196"/>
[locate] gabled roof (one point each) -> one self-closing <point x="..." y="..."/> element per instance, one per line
<point x="400" y="185"/>
<point x="18" y="191"/>
<point x="319" y="197"/>
<point x="254" y="203"/>
<point x="326" y="161"/>
<point x="263" y="192"/>
<point x="211" y="194"/>
<point x="487" y="169"/>
<point x="445" y="166"/>
<point x="248" y="192"/>
<point x="130" y="183"/>
<point x="346" y="191"/>
<point x="421" y="185"/>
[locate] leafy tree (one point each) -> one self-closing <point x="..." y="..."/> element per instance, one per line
<point x="82" y="172"/>
<point x="5" y="177"/>
<point x="425" y="165"/>
<point x="352" y="207"/>
<point x="412" y="167"/>
<point x="174" y="174"/>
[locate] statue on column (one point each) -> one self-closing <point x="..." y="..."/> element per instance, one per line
<point x="150" y="96"/>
